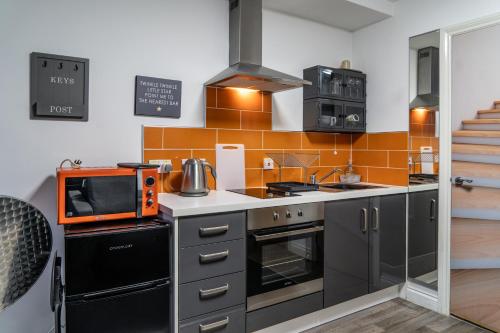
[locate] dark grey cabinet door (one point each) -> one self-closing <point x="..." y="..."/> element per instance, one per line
<point x="422" y="232"/>
<point x="346" y="250"/>
<point x="387" y="241"/>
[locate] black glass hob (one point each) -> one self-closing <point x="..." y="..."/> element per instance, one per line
<point x="263" y="193"/>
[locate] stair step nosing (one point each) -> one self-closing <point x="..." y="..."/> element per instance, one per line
<point x="479" y="263"/>
<point x="477" y="213"/>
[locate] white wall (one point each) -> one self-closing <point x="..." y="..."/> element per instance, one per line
<point x="185" y="40"/>
<point x="475" y="73"/>
<point x="382" y="51"/>
<point x="291" y="44"/>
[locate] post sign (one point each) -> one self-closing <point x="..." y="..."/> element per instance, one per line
<point x="59" y="87"/>
<point x="157" y="97"/>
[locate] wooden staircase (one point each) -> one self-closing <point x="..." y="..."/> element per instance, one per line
<point x="475" y="228"/>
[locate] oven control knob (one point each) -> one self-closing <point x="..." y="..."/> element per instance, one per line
<point x="150" y="181"/>
<point x="300" y="213"/>
<point x="288" y="214"/>
<point x="149" y="193"/>
<point x="149" y="202"/>
<point x="276" y="216"/>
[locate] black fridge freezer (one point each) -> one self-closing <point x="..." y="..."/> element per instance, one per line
<point x="117" y="278"/>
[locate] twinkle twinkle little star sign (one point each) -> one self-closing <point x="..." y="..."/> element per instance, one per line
<point x="157" y="97"/>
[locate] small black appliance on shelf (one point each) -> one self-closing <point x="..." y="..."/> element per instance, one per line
<point x="336" y="100"/>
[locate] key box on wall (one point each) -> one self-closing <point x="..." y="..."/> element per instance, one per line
<point x="59" y="87"/>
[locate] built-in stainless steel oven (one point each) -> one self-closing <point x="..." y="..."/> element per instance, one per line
<point x="284" y="253"/>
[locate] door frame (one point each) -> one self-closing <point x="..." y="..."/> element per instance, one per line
<point x="445" y="144"/>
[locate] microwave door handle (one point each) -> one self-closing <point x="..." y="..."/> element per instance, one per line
<point x="260" y="238"/>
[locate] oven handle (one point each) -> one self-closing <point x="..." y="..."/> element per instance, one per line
<point x="259" y="238"/>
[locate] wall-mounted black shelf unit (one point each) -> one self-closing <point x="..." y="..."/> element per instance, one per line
<point x="336" y="100"/>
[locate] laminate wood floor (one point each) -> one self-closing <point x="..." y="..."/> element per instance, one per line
<point x="397" y="316"/>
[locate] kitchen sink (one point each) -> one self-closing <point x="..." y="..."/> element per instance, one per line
<point x="347" y="187"/>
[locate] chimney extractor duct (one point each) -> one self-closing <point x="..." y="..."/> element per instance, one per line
<point x="245" y="53"/>
<point x="427" y="79"/>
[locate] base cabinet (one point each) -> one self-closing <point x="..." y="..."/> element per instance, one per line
<point x="365" y="246"/>
<point x="422" y="233"/>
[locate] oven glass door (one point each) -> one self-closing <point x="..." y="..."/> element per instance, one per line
<point x="284" y="256"/>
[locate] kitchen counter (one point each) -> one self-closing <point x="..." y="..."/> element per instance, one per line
<point x="423" y="187"/>
<point x="175" y="205"/>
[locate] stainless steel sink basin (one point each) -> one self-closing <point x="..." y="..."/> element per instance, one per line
<point x="347" y="187"/>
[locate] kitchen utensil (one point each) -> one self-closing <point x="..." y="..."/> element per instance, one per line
<point x="194" y="178"/>
<point x="230" y="166"/>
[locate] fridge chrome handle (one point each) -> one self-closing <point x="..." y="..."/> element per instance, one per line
<point x="215" y="292"/>
<point x="260" y="238"/>
<point x="206" y="328"/>
<point x="364" y="220"/>
<point x="432" y="215"/>
<point x="212" y="257"/>
<point x="376" y="219"/>
<point x="213" y="231"/>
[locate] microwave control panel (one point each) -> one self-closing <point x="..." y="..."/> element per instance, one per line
<point x="149" y="192"/>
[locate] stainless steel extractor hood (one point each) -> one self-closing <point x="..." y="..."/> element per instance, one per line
<point x="245" y="53"/>
<point x="427" y="79"/>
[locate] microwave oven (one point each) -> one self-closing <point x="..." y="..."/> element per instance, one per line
<point x="109" y="193"/>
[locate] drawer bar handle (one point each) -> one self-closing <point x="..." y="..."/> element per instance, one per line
<point x="212" y="257"/>
<point x="205" y="328"/>
<point x="215" y="292"/>
<point x="213" y="231"/>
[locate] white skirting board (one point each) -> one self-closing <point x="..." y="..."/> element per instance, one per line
<point x="422" y="296"/>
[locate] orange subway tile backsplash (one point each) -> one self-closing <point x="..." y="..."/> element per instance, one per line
<point x="252" y="120"/>
<point x="318" y="140"/>
<point x="245" y="117"/>
<point x="239" y="99"/>
<point x="282" y="140"/>
<point x="223" y="118"/>
<point x="251" y="139"/>
<point x="188" y="138"/>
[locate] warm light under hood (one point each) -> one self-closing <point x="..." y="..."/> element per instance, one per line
<point x="245" y="53"/>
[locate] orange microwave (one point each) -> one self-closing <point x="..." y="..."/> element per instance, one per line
<point x="98" y="194"/>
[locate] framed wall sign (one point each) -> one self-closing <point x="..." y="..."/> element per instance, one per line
<point x="59" y="87"/>
<point x="157" y="97"/>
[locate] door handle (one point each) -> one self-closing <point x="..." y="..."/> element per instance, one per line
<point x="213" y="231"/>
<point x="432" y="216"/>
<point x="215" y="292"/>
<point x="460" y="181"/>
<point x="212" y="257"/>
<point x="364" y="220"/>
<point x="205" y="328"/>
<point x="376" y="220"/>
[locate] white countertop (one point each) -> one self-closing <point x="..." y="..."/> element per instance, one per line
<point x="224" y="201"/>
<point x="423" y="187"/>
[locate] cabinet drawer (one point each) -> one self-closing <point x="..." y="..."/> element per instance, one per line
<point x="205" y="261"/>
<point x="227" y="321"/>
<point x="200" y="297"/>
<point x="205" y="229"/>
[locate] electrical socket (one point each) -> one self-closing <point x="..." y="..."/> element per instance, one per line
<point x="165" y="166"/>
<point x="268" y="163"/>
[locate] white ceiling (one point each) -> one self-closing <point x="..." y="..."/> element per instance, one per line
<point x="349" y="15"/>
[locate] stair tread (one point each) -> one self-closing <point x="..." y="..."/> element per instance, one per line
<point x="475" y="149"/>
<point x="468" y="133"/>
<point x="475" y="170"/>
<point x="481" y="121"/>
<point x="489" y="111"/>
